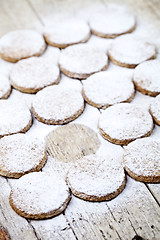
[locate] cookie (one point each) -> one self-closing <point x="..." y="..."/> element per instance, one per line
<point x="51" y="55"/>
<point x="33" y="74"/>
<point x="21" y="154"/>
<point x="57" y="105"/>
<point x="15" y="117"/>
<point x="129" y="51"/>
<point x="125" y="122"/>
<point x="94" y="178"/>
<point x="19" y="44"/>
<point x="146" y="77"/>
<point x="5" y="87"/>
<point x="155" y="109"/>
<point x="112" y="23"/>
<point x="141" y="160"/>
<point x="67" y="33"/>
<point x="80" y="61"/>
<point x="104" y="89"/>
<point x="39" y="195"/>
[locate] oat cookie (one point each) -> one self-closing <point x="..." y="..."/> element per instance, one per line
<point x="5" y="87"/>
<point x="112" y="22"/>
<point x="21" y="154"/>
<point x="129" y="51"/>
<point x="39" y="195"/>
<point x="67" y="33"/>
<point x="125" y="122"/>
<point x="80" y="61"/>
<point x="19" y="44"/>
<point x="155" y="109"/>
<point x="32" y="74"/>
<point x="107" y="88"/>
<point x="96" y="179"/>
<point x="141" y="160"/>
<point x="57" y="105"/>
<point x="147" y="77"/>
<point x="15" y="117"/>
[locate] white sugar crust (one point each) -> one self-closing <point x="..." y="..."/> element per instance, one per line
<point x="112" y="22"/>
<point x="147" y="76"/>
<point x="82" y="59"/>
<point x="155" y="109"/>
<point x="20" y="153"/>
<point x="94" y="176"/>
<point x="14" y="117"/>
<point x="125" y="121"/>
<point x="5" y="87"/>
<point x="67" y="33"/>
<point x="19" y="44"/>
<point x="142" y="157"/>
<point x="33" y="74"/>
<point x="58" y="104"/>
<point x="107" y="88"/>
<point x="39" y="195"/>
<point x="129" y="49"/>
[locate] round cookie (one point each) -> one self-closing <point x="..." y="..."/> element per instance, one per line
<point x="19" y="44"/>
<point x="80" y="61"/>
<point x="96" y="179"/>
<point x="39" y="195"/>
<point x="147" y="77"/>
<point x="67" y="33"/>
<point x="124" y="122"/>
<point x="57" y="105"/>
<point x="129" y="51"/>
<point x="21" y="154"/>
<point x="32" y="74"/>
<point x="155" y="109"/>
<point x="15" y="117"/>
<point x="111" y="24"/>
<point x="5" y="87"/>
<point x="141" y="160"/>
<point x="107" y="88"/>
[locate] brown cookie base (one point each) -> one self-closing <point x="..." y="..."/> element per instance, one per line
<point x="145" y="91"/>
<point x="155" y="119"/>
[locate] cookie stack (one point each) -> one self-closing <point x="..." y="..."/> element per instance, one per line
<point x="40" y="195"/>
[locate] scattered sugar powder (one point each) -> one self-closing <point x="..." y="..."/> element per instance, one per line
<point x="155" y="107"/>
<point x="51" y="55"/>
<point x="37" y="193"/>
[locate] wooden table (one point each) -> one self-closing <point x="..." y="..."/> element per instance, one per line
<point x="136" y="210"/>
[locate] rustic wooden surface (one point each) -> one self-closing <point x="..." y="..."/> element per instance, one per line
<point x="136" y="210"/>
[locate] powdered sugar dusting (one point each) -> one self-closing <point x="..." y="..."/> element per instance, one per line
<point x="34" y="73"/>
<point x="37" y="193"/>
<point x="51" y="55"/>
<point x="155" y="107"/>
<point x="142" y="157"/>
<point x="82" y="59"/>
<point x="96" y="176"/>
<point x="58" y="103"/>
<point x="20" y="153"/>
<point x="147" y="75"/>
<point x="107" y="88"/>
<point x="5" y="87"/>
<point x="130" y="49"/>
<point x="125" y="121"/>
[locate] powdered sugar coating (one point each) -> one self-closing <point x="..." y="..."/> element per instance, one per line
<point x="112" y="23"/>
<point x="125" y="122"/>
<point x="19" y="44"/>
<point x="147" y="77"/>
<point x="95" y="177"/>
<point x="131" y="50"/>
<point x="155" y="109"/>
<point x="58" y="104"/>
<point x="80" y="61"/>
<point x="67" y="33"/>
<point x="107" y="88"/>
<point x="5" y="87"/>
<point x="142" y="159"/>
<point x="20" y="154"/>
<point x="39" y="195"/>
<point x="14" y="117"/>
<point x="32" y="74"/>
